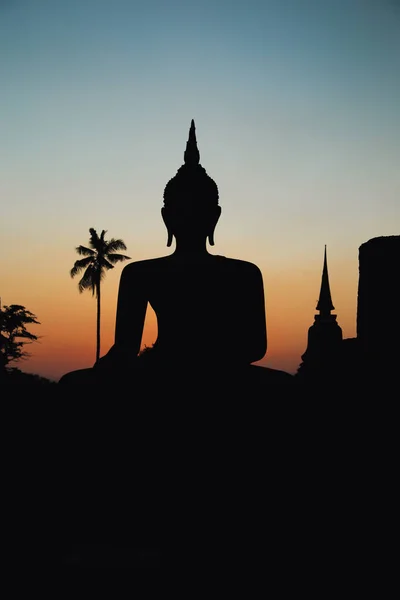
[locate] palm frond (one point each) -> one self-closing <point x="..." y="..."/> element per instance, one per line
<point x="105" y="263"/>
<point x="81" y="264"/>
<point x="83" y="251"/>
<point x="88" y="281"/>
<point x="115" y="258"/>
<point x="94" y="238"/>
<point x="115" y="245"/>
<point x="93" y="233"/>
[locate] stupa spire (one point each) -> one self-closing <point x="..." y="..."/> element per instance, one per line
<point x="324" y="337"/>
<point x="325" y="304"/>
<point x="192" y="154"/>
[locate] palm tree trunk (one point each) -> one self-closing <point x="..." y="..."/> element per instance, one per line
<point x="98" y="321"/>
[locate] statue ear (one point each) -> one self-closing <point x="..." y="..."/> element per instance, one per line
<point x="215" y="221"/>
<point x="164" y="214"/>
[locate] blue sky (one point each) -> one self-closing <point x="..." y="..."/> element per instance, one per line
<point x="296" y="105"/>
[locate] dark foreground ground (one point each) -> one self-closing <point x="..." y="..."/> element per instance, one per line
<point x="280" y="480"/>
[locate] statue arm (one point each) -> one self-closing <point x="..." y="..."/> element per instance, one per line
<point x="257" y="327"/>
<point x="244" y="331"/>
<point x="254" y="332"/>
<point x="130" y="318"/>
<point x="131" y="310"/>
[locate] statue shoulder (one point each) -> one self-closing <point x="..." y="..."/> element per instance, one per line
<point x="242" y="266"/>
<point x="142" y="267"/>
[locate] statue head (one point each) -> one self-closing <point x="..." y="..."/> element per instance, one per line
<point x="191" y="206"/>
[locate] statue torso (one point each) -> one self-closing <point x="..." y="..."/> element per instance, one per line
<point x="202" y="305"/>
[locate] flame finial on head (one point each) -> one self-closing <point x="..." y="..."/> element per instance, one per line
<point x="192" y="155"/>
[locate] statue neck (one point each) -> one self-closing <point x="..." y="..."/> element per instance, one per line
<point x="191" y="247"/>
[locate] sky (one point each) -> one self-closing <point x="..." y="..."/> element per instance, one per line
<point x="297" y="112"/>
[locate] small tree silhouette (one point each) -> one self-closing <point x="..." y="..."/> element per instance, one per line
<point x="99" y="257"/>
<point x="13" y="333"/>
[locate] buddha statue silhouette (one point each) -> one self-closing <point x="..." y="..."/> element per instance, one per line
<point x="210" y="309"/>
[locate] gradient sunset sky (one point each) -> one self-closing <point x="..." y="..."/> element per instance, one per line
<point x="297" y="112"/>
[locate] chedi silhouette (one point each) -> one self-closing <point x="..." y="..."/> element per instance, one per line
<point x="210" y="309"/>
<point x="324" y="342"/>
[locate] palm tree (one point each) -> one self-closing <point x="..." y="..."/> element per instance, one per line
<point x="99" y="258"/>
